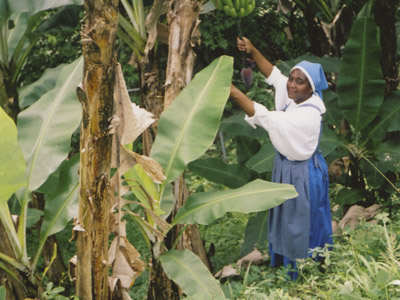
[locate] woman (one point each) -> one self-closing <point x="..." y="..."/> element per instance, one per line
<point x="294" y="128"/>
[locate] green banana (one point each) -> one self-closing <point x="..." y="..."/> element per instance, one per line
<point x="233" y="12"/>
<point x="241" y="12"/>
<point x="227" y="10"/>
<point x="237" y="5"/>
<point x="220" y="4"/>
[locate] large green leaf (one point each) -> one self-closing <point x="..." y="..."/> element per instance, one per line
<point x="9" y="7"/>
<point x="188" y="271"/>
<point x="45" y="128"/>
<point x="387" y="120"/>
<point x="333" y="115"/>
<point x="258" y="195"/>
<point x="236" y="125"/>
<point x="329" y="141"/>
<point x="263" y="161"/>
<point x="61" y="206"/>
<point x="360" y="84"/>
<point x="256" y="233"/>
<point x="215" y="170"/>
<point x="349" y="196"/>
<point x="189" y="126"/>
<point x="12" y="174"/>
<point x="29" y="94"/>
<point x="246" y="148"/>
<point x="12" y="164"/>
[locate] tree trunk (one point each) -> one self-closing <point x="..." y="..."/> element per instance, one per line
<point x="96" y="96"/>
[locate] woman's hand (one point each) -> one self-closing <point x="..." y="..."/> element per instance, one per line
<point x="244" y="45"/>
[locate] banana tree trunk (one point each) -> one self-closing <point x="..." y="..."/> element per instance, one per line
<point x="96" y="96"/>
<point x="183" y="24"/>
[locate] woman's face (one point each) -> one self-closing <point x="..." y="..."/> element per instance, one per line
<point x="298" y="87"/>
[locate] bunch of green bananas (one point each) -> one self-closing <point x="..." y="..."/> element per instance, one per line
<point x="235" y="8"/>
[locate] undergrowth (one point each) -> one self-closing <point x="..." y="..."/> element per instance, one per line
<point x="363" y="264"/>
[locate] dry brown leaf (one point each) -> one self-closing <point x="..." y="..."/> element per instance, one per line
<point x="227" y="271"/>
<point x="133" y="119"/>
<point x="357" y="213"/>
<point x="255" y="258"/>
<point x="158" y="8"/>
<point x="127" y="265"/>
<point x="150" y="166"/>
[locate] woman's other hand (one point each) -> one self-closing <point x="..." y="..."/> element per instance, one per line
<point x="244" y="44"/>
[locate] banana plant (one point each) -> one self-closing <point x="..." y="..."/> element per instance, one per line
<point x="39" y="152"/>
<point x="132" y="30"/>
<point x="186" y="130"/>
<point x="22" y="23"/>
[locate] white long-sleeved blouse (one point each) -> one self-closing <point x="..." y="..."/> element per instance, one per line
<point x="294" y="132"/>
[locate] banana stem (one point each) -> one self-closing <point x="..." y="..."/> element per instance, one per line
<point x="239" y="29"/>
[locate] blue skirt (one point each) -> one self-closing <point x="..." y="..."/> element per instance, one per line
<point x="302" y="223"/>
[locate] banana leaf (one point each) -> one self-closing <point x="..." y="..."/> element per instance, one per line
<point x="258" y="195"/>
<point x="329" y="141"/>
<point x="263" y="161"/>
<point x="215" y="170"/>
<point x="9" y="7"/>
<point x="61" y="206"/>
<point x="12" y="170"/>
<point x="349" y="196"/>
<point x="236" y="125"/>
<point x="360" y="85"/>
<point x="246" y="148"/>
<point x="387" y="120"/>
<point x="32" y="92"/>
<point x="256" y="233"/>
<point x="12" y="174"/>
<point x="189" y="126"/>
<point x="333" y="115"/>
<point x="45" y="128"/>
<point x="188" y="271"/>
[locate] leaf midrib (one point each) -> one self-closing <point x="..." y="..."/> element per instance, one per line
<point x="175" y="150"/>
<point x="43" y="130"/>
<point x="245" y="193"/>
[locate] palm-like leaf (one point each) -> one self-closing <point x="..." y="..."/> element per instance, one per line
<point x="186" y="269"/>
<point x="360" y="85"/>
<point x="188" y="127"/>
<point x="258" y="195"/>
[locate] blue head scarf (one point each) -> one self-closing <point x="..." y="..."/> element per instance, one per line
<point x="315" y="75"/>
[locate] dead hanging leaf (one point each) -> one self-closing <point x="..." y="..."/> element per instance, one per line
<point x="127" y="265"/>
<point x="158" y="8"/>
<point x="133" y="120"/>
<point x="150" y="166"/>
